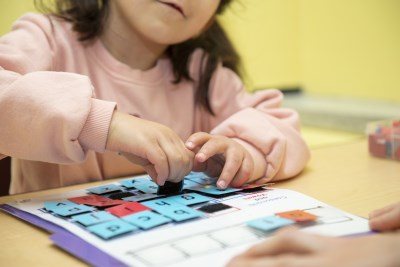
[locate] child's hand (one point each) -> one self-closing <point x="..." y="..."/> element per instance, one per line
<point x="385" y="219"/>
<point x="221" y="156"/>
<point x="152" y="145"/>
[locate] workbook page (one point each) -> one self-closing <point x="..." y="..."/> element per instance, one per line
<point x="201" y="225"/>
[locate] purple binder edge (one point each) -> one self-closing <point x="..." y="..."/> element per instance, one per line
<point x="66" y="240"/>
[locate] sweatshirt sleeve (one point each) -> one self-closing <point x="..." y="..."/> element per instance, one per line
<point x="257" y="120"/>
<point x="46" y="115"/>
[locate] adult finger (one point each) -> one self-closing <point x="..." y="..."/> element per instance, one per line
<point x="387" y="221"/>
<point x="383" y="210"/>
<point x="286" y="260"/>
<point x="289" y="241"/>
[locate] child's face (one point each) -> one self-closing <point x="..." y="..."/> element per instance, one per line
<point x="163" y="22"/>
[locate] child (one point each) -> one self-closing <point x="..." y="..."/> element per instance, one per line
<point x="99" y="85"/>
<point x="294" y="248"/>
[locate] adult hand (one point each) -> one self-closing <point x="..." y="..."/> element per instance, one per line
<point x="292" y="248"/>
<point x="385" y="219"/>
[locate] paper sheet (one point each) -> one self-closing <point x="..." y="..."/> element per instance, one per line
<point x="211" y="239"/>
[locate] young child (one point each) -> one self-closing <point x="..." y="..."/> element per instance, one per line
<point x="293" y="248"/>
<point x="105" y="89"/>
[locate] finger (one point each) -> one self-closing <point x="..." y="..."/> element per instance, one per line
<point x="180" y="159"/>
<point x="239" y="261"/>
<point x="199" y="166"/>
<point x="244" y="173"/>
<point x="158" y="159"/>
<point x="387" y="221"/>
<point x="212" y="167"/>
<point x="383" y="210"/>
<point x="154" y="157"/>
<point x="148" y="167"/>
<point x="210" y="148"/>
<point x="231" y="170"/>
<point x="281" y="260"/>
<point x="184" y="163"/>
<point x="287" y="242"/>
<point x="196" y="140"/>
<point x="151" y="171"/>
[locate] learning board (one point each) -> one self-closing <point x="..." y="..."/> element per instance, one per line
<point x="202" y="225"/>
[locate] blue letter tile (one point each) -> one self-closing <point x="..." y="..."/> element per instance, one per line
<point x="161" y="204"/>
<point x="110" y="229"/>
<point x="269" y="223"/>
<point x="146" y="219"/>
<point x="189" y="199"/>
<point x="94" y="218"/>
<point x="181" y="213"/>
<point x="104" y="189"/>
<point x="147" y="187"/>
<point x="51" y="206"/>
<point x="72" y="210"/>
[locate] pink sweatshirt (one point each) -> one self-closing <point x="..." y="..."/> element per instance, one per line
<point x="57" y="97"/>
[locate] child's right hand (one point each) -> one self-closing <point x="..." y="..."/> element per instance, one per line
<point x="223" y="157"/>
<point x="157" y="148"/>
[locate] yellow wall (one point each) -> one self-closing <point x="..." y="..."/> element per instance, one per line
<point x="266" y="34"/>
<point x="328" y="47"/>
<point x="351" y="47"/>
<point x="11" y="10"/>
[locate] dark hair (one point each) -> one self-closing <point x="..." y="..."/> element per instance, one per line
<point x="88" y="16"/>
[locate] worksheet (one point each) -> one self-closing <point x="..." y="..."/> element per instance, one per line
<point x="201" y="225"/>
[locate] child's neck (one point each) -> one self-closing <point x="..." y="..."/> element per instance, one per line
<point x="131" y="49"/>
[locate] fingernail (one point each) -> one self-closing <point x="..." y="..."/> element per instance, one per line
<point x="160" y="181"/>
<point x="221" y="184"/>
<point x="201" y="157"/>
<point x="189" y="144"/>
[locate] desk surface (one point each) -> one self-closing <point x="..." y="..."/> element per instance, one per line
<point x="344" y="176"/>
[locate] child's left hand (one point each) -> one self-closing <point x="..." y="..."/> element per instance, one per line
<point x="221" y="156"/>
